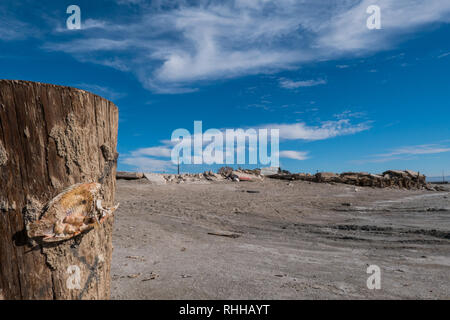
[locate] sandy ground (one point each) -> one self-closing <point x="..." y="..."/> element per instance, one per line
<point x="290" y="240"/>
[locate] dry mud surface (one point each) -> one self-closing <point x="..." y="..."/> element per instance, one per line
<point x="278" y="240"/>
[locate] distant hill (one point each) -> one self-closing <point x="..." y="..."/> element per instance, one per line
<point x="437" y="179"/>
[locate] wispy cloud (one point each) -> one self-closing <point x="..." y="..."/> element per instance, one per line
<point x="444" y="55"/>
<point x="130" y="2"/>
<point x="14" y="29"/>
<point x="346" y="31"/>
<point x="85" y="25"/>
<point x="327" y="130"/>
<point x="91" y="45"/>
<point x="405" y="153"/>
<point x="296" y="155"/>
<point x="173" y="47"/>
<point x="162" y="151"/>
<point x="415" y="150"/>
<point x="290" y="84"/>
<point x="148" y="164"/>
<point x="348" y="114"/>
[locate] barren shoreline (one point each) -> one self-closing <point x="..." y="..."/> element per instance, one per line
<point x="277" y="239"/>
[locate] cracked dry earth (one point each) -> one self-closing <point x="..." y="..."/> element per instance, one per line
<point x="278" y="240"/>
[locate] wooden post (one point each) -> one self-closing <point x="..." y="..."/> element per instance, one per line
<point x="52" y="137"/>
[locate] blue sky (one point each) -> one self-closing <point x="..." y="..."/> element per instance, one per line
<point x="346" y="98"/>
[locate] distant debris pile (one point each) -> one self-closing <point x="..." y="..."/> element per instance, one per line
<point x="225" y="173"/>
<point x="392" y="178"/>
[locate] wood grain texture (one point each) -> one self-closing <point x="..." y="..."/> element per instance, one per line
<point x="52" y="137"/>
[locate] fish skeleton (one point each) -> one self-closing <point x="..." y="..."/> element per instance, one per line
<point x="73" y="211"/>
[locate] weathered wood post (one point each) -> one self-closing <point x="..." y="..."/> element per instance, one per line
<point x="52" y="137"/>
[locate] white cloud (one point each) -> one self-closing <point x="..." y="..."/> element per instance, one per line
<point x="89" y="45"/>
<point x="444" y="55"/>
<point x="162" y="151"/>
<point x="85" y="25"/>
<point x="348" y="114"/>
<point x="327" y="130"/>
<point x="416" y="150"/>
<point x="290" y="84"/>
<point x="347" y="31"/>
<point x="148" y="164"/>
<point x="172" y="46"/>
<point x="297" y="155"/>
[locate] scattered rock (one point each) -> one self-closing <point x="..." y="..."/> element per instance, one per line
<point x="133" y="276"/>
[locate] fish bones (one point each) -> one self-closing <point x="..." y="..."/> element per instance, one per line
<point x="73" y="211"/>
